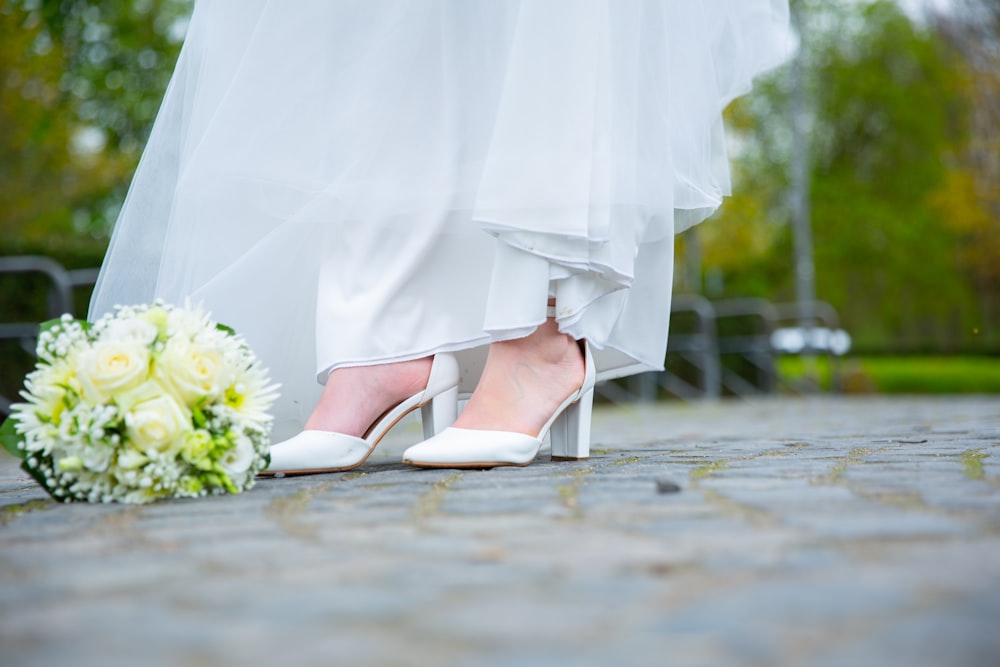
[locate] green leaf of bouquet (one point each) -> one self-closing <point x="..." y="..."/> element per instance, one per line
<point x="222" y="327"/>
<point x="36" y="474"/>
<point x="49" y="324"/>
<point x="10" y="438"/>
<point x="198" y="417"/>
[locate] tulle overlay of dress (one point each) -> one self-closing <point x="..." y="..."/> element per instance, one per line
<point x="350" y="182"/>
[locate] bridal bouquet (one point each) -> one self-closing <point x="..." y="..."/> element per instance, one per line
<point x="148" y="402"/>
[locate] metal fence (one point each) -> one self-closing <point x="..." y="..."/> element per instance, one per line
<point x="60" y="286"/>
<point x="716" y="348"/>
<point x="727" y="348"/>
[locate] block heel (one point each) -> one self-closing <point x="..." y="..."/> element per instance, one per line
<point x="570" y="433"/>
<point x="440" y="413"/>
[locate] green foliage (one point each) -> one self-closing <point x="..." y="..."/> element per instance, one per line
<point x="887" y="102"/>
<point x="81" y="84"/>
<point x="37" y="182"/>
<point x="888" y="118"/>
<point x="9" y="439"/>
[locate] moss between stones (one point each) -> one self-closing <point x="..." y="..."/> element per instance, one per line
<point x="708" y="469"/>
<point x="972" y="461"/>
<point x="11" y="512"/>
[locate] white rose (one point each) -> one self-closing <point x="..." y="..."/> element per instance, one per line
<point x="236" y="461"/>
<point x="157" y="423"/>
<point x="193" y="371"/>
<point x="110" y="367"/>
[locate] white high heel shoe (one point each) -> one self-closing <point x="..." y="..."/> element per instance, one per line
<point x="322" y="451"/>
<point x="569" y="427"/>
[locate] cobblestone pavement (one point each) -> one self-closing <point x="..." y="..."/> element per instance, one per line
<point x="820" y="532"/>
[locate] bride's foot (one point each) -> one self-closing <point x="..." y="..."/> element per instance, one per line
<point x="360" y="405"/>
<point x="540" y="384"/>
<point x="355" y="397"/>
<point x="525" y="380"/>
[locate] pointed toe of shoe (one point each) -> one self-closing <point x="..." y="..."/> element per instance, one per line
<point x="317" y="451"/>
<point x="467" y="448"/>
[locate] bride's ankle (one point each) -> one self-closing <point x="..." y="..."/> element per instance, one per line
<point x="355" y="396"/>
<point x="401" y="379"/>
<point x="548" y="347"/>
<point x="524" y="381"/>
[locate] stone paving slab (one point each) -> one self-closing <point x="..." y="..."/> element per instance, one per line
<point x="829" y="532"/>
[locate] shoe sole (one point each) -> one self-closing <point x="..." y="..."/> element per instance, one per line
<point x="486" y="464"/>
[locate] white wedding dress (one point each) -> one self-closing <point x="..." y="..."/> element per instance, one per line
<point x="351" y="182"/>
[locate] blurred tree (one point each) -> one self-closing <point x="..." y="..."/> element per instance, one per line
<point x="38" y="180"/>
<point x="888" y="120"/>
<point x="80" y="83"/>
<point x="969" y="199"/>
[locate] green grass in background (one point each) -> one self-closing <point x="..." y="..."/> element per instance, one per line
<point x="901" y="375"/>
